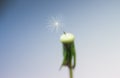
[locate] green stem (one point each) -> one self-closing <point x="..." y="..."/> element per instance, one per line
<point x="70" y="72"/>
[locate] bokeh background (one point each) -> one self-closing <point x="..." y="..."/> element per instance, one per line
<point x="29" y="50"/>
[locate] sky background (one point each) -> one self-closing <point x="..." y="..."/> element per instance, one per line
<point x="29" y="50"/>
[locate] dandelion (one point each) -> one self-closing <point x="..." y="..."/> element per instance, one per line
<point x="67" y="40"/>
<point x="69" y="53"/>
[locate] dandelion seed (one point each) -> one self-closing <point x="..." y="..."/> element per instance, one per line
<point x="55" y="24"/>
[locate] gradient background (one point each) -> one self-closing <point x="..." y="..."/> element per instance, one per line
<point x="29" y="50"/>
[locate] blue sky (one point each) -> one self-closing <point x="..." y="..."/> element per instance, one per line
<point x="29" y="50"/>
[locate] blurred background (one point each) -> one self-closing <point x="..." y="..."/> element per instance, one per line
<point x="29" y="50"/>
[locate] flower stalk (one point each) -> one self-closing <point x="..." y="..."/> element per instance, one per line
<point x="69" y="53"/>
